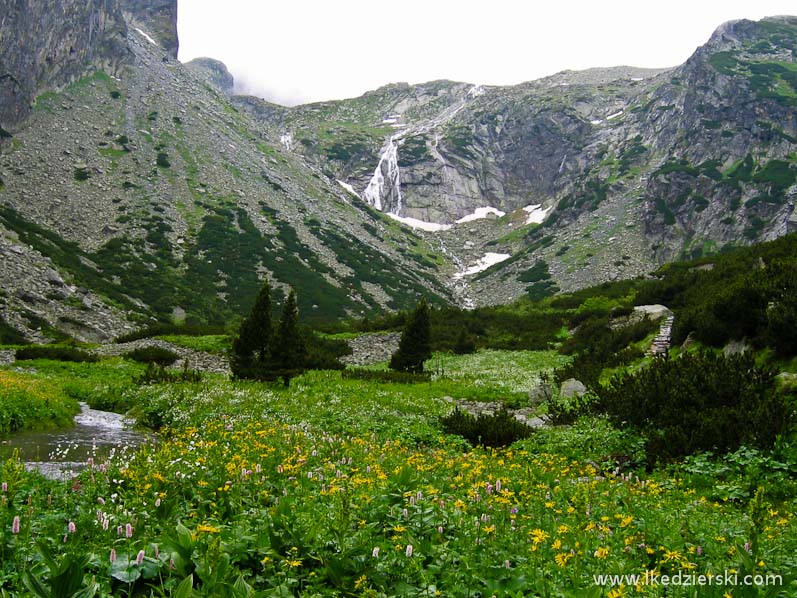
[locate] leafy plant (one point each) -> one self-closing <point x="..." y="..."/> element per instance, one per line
<point x="496" y="430"/>
<point x="58" y="353"/>
<point x="153" y="354"/>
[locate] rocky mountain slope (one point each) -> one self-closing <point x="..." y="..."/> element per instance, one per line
<point x="627" y="167"/>
<point x="141" y="193"/>
<point x="134" y="187"/>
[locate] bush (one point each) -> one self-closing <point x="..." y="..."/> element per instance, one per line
<point x="698" y="402"/>
<point x="385" y="376"/>
<point x="156" y="355"/>
<point x="465" y="344"/>
<point x="164" y="329"/>
<point x="55" y="353"/>
<point x="157" y="374"/>
<point x="324" y="353"/>
<point x="500" y="429"/>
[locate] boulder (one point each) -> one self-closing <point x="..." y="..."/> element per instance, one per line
<point x="572" y="388"/>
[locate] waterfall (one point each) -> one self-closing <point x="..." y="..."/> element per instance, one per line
<point x="386" y="182"/>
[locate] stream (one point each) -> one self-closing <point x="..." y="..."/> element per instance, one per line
<point x="95" y="436"/>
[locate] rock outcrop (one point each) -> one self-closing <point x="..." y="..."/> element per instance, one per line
<point x="214" y="71"/>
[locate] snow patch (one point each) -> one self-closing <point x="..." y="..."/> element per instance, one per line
<point x="637" y="79"/>
<point x="597" y="121"/>
<point x="536" y="213"/>
<point x="480" y="213"/>
<point x="489" y="259"/>
<point x="615" y="115"/>
<point x="431" y="227"/>
<point x="389" y="121"/>
<point x="286" y="139"/>
<point x="147" y="37"/>
<point x="348" y="187"/>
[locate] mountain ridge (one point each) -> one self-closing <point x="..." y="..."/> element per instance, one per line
<point x="151" y="192"/>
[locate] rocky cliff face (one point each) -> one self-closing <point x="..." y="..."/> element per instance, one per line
<point x="146" y="194"/>
<point x="159" y="17"/>
<point x="47" y="45"/>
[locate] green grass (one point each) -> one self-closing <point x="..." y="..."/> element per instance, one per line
<point x="215" y="343"/>
<point x="319" y="489"/>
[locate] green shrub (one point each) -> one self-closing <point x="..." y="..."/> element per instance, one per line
<point x="386" y="376"/>
<point x="156" y="355"/>
<point x="163" y="160"/>
<point x="465" y="344"/>
<point x="163" y="329"/>
<point x="497" y="430"/>
<point x="698" y="402"/>
<point x="324" y="353"/>
<point x="158" y="374"/>
<point x="55" y="353"/>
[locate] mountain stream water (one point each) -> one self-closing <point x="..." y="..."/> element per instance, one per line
<point x="95" y="436"/>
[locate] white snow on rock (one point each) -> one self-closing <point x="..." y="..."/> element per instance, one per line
<point x="286" y="139"/>
<point x="480" y="213"/>
<point x="536" y="213"/>
<point x="147" y="37"/>
<point x="347" y="187"/>
<point x="389" y="121"/>
<point x="615" y="115"/>
<point x="489" y="259"/>
<point x="431" y="227"/>
<point x="597" y="121"/>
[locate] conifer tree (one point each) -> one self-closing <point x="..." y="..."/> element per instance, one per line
<point x="415" y="344"/>
<point x="251" y="351"/>
<point x="290" y="353"/>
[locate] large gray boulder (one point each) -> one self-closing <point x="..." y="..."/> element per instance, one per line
<point x="572" y="388"/>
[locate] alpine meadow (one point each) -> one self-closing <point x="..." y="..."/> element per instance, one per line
<point x="439" y="340"/>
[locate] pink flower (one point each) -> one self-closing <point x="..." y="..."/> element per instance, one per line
<point x="112" y="556"/>
<point x="15" y="525"/>
<point x="5" y="487"/>
<point x="408" y="551"/>
<point x="375" y="552"/>
<point x="128" y="531"/>
<point x="157" y="502"/>
<point x="140" y="557"/>
<point x="101" y="500"/>
<point x="71" y="527"/>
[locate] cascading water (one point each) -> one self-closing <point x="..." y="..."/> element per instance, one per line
<point x="384" y="189"/>
<point x="386" y="182"/>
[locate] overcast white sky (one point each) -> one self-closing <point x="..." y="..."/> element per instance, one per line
<point x="296" y="51"/>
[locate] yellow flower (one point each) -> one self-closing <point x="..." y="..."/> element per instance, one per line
<point x="209" y="529"/>
<point x="671" y="555"/>
<point x="562" y="558"/>
<point x="360" y="582"/>
<point x="399" y="528"/>
<point x="489" y="529"/>
<point x="557" y="544"/>
<point x="293" y="563"/>
<point x="617" y="592"/>
<point x="602" y="552"/>
<point x="538" y="536"/>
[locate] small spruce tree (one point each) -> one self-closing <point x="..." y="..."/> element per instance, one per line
<point x="251" y="350"/>
<point x="415" y="344"/>
<point x="290" y="354"/>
